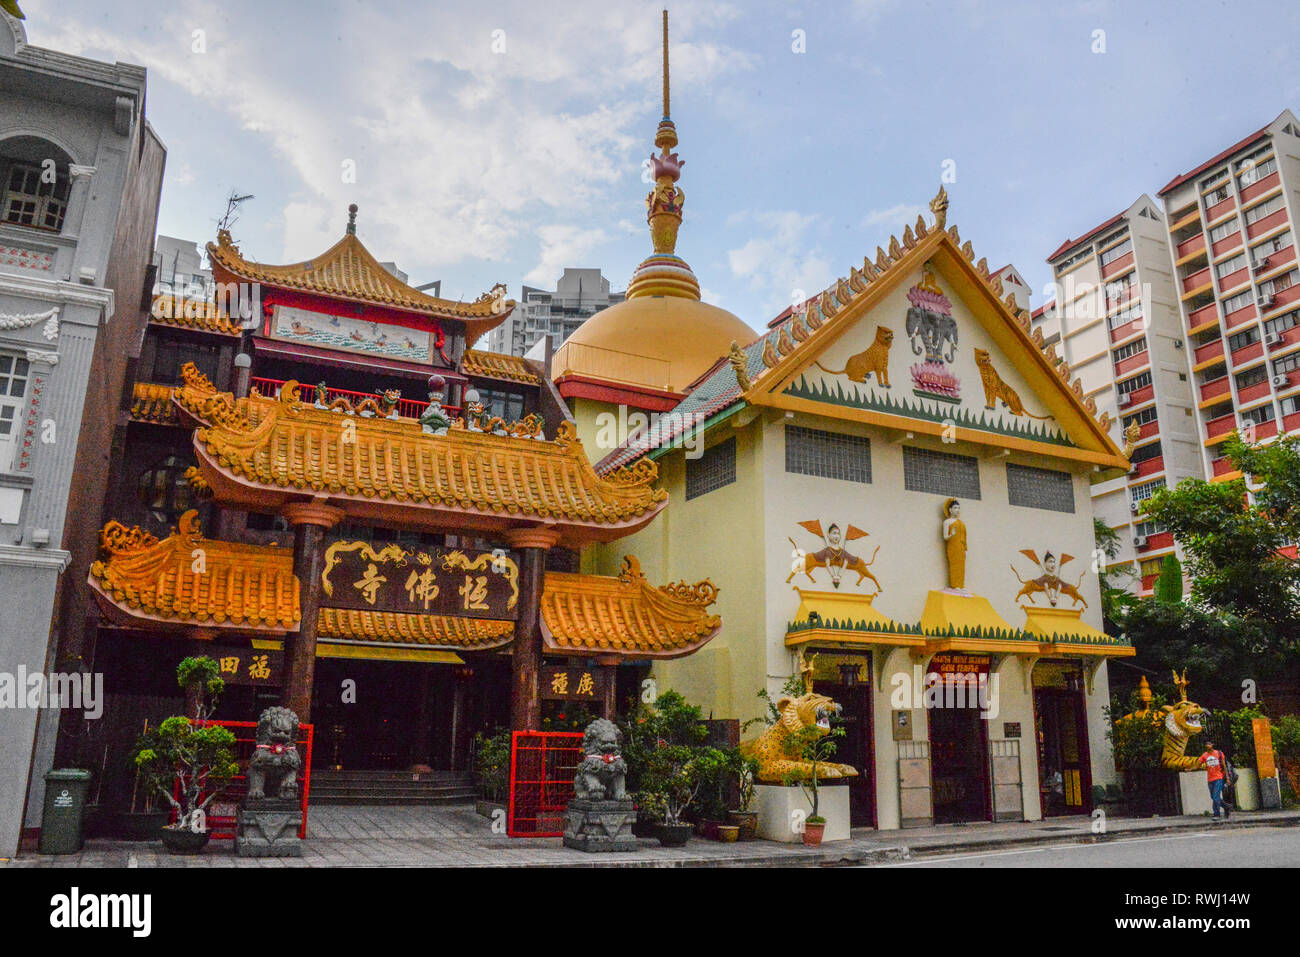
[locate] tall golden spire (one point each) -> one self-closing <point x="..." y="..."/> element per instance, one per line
<point x="665" y="273"/>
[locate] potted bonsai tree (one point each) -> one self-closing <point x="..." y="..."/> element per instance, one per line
<point x="184" y="759"/>
<point x="743" y="816"/>
<point x="817" y="747"/>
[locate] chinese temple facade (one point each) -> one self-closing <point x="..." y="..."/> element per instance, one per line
<point x="890" y="485"/>
<point x="326" y="487"/>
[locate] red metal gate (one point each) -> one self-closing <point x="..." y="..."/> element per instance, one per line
<point x="221" y="812"/>
<point x="542" y="765"/>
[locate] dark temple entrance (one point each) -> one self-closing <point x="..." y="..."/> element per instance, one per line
<point x="1060" y="723"/>
<point x="848" y="681"/>
<point x="959" y="745"/>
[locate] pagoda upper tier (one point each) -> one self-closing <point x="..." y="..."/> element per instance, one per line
<point x="347" y="271"/>
<point x="261" y="454"/>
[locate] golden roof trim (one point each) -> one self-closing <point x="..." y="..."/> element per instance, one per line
<point x="496" y="365"/>
<point x="152" y="402"/>
<point x="347" y="270"/>
<point x="201" y="315"/>
<point x="626" y="615"/>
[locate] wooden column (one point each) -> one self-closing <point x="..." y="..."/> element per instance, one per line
<point x="526" y="654"/>
<point x="609" y="672"/>
<point x="310" y="520"/>
<point x="457" y="718"/>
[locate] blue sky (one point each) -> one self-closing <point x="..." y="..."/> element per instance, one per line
<point x="476" y="164"/>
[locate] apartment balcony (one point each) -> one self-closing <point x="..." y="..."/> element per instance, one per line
<point x="1133" y="363"/>
<point x="1221" y="209"/>
<point x="1246" y="353"/>
<point x="1150" y="467"/>
<point x="1126" y="331"/>
<point x="1283" y="298"/>
<point x="1252" y="392"/>
<point x="1149" y="583"/>
<point x="1217" y="389"/>
<point x="1202" y="317"/>
<point x="1158" y="541"/>
<point x="1137" y="397"/>
<point x="1120" y="265"/>
<point x="1276" y="260"/>
<point x="1265" y="185"/>
<point x="1221" y="466"/>
<point x="1189" y="246"/>
<point x="1211" y="350"/>
<point x="1226" y="244"/>
<point x="1242" y="315"/>
<point x="1191" y="217"/>
<point x="1223" y="425"/>
<point x="1197" y="280"/>
<point x="1147" y="429"/>
<point x="1265" y="430"/>
<point x="1267" y="224"/>
<point x="1289" y="338"/>
<point x="1291" y="423"/>
<point x="1234" y="279"/>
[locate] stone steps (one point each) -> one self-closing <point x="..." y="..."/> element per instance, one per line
<point x="355" y="787"/>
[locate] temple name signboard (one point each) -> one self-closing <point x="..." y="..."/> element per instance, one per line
<point x="420" y="582"/>
<point x="572" y="684"/>
<point x="244" y="666"/>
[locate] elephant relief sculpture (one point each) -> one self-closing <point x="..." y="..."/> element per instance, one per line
<point x="933" y="333"/>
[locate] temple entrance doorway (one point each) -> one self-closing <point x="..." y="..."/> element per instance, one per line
<point x="1061" y="730"/>
<point x="959" y="745"/>
<point x="846" y="679"/>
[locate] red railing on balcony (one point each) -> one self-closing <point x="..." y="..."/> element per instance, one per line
<point x="1148" y="429"/>
<point x="1149" y="582"/>
<point x="1234" y="279"/>
<point x="1196" y="280"/>
<point x="1151" y="466"/>
<point x="1275" y="260"/>
<point x="1117" y="266"/>
<point x="1291" y="423"/>
<point x="1220" y="426"/>
<point x="1211" y="350"/>
<point x="406" y="408"/>
<point x="1253" y="392"/>
<point x="1133" y="363"/>
<point x="1244" y="314"/>
<point x="1189" y="246"/>
<point x="1269" y="222"/>
<point x="1259" y="189"/>
<point x="1202" y="316"/>
<point x="1266" y="430"/>
<point x="1137" y="397"/>
<point x="1221" y="466"/>
<point x="1246" y="353"/>
<point x="1159" y="540"/>
<point x="1219" y="209"/>
<point x="1126" y="330"/>
<point x="1226" y="244"/>
<point x="1213" y="390"/>
<point x="1284" y="298"/>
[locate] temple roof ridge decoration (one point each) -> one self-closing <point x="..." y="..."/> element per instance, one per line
<point x="200" y="315"/>
<point x="261" y="453"/>
<point x="143" y="581"/>
<point x="349" y="271"/>
<point x="801" y="331"/>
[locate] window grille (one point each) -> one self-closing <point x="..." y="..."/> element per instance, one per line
<point x="832" y="455"/>
<point x="941" y="473"/>
<point x="712" y="470"/>
<point x="1032" y="487"/>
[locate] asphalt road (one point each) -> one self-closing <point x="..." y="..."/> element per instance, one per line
<point x="1227" y="846"/>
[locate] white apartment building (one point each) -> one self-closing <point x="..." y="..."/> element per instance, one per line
<point x="578" y="295"/>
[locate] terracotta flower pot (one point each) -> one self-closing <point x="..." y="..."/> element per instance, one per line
<point x="747" y="821"/>
<point x="812" y="834"/>
<point x="728" y="833"/>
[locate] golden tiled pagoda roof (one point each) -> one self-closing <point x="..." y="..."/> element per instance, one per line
<point x="596" y="614"/>
<point x="495" y="365"/>
<point x="348" y="271"/>
<point x="197" y="314"/>
<point x="263" y="453"/>
<point x="151" y="402"/>
<point x="189" y="581"/>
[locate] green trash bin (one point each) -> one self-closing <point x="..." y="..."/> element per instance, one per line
<point x="65" y="799"/>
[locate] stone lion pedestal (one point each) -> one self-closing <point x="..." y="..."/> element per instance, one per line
<point x="268" y="828"/>
<point x="781" y="810"/>
<point x="595" y="825"/>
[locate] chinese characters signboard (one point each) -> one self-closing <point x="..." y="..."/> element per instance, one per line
<point x="572" y="684"/>
<point x="415" y="582"/>
<point x="244" y="666"/>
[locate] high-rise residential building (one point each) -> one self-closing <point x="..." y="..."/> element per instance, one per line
<point x="578" y="295"/>
<point x="178" y="270"/>
<point x="1232" y="245"/>
<point x="1115" y="317"/>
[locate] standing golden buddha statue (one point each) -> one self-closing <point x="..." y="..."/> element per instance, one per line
<point x="954" y="537"/>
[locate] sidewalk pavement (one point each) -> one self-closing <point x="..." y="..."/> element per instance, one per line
<point x="455" y="836"/>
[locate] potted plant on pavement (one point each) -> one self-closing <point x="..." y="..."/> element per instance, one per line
<point x="186" y="761"/>
<point x="1286" y="745"/>
<point x="744" y="817"/>
<point x="1241" y="734"/>
<point x="491" y="770"/>
<point x="816" y="746"/>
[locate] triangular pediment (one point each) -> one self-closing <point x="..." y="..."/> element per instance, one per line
<point x="921" y="340"/>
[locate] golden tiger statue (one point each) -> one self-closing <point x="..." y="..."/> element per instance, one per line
<point x="1182" y="720"/>
<point x="776" y="749"/>
<point x="995" y="388"/>
<point x="874" y="359"/>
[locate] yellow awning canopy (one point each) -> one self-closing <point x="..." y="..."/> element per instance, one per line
<point x="1064" y="632"/>
<point x="845" y="618"/>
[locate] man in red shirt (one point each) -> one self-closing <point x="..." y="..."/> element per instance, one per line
<point x="1215" y="765"/>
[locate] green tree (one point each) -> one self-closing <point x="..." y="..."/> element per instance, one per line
<point x="1234" y="544"/>
<point x="1169" y="584"/>
<point x="1115" y="597"/>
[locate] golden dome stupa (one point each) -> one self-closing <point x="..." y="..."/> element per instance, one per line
<point x="662" y="337"/>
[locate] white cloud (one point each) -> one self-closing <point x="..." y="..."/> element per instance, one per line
<point x="903" y="214"/>
<point x="563" y="245"/>
<point x="778" y="261"/>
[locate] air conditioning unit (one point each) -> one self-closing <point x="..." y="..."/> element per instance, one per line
<point x="1265" y="302"/>
<point x="1139" y="541"/>
<point x="1135" y="507"/>
<point x="1281" y="380"/>
<point x="1125" y="400"/>
<point x="1273" y="338"/>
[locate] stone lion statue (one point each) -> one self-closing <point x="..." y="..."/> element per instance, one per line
<point x="275" y="762"/>
<point x="777" y="749"/>
<point x="600" y="776"/>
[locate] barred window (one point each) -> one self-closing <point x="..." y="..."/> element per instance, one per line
<point x="1040" y="488"/>
<point x="827" y="454"/>
<point x="1253" y="376"/>
<point x="1140" y="493"/>
<point x="712" y="470"/>
<point x="1146" y="415"/>
<point x="1139" y="381"/>
<point x="942" y="473"/>
<point x="1259" y="414"/>
<point x="1144" y="453"/>
<point x="1288" y="363"/>
<point x="1242" y="339"/>
<point x="1130" y="349"/>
